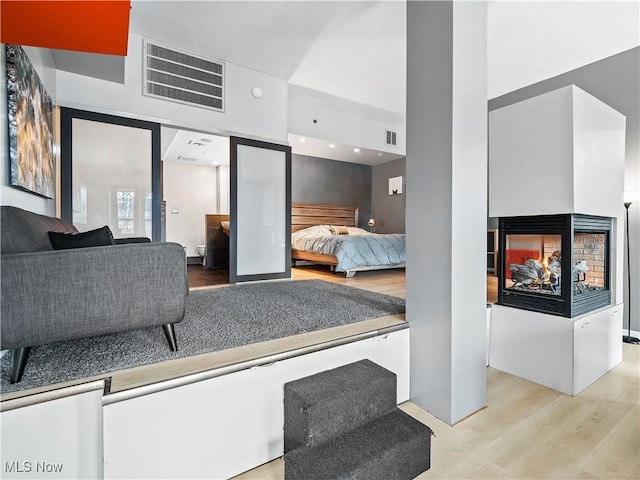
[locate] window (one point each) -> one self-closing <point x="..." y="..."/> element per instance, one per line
<point x="126" y="202"/>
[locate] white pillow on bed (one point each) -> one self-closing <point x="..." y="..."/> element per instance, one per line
<point x="316" y="230"/>
<point x="339" y="230"/>
<point x="321" y="230"/>
<point x="358" y="231"/>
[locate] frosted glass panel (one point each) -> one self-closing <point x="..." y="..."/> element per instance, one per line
<point x="111" y="174"/>
<point x="261" y="211"/>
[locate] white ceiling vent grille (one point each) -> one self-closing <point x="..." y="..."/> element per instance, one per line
<point x="182" y="77"/>
<point x="391" y="138"/>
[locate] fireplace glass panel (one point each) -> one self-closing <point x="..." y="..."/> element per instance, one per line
<point x="533" y="264"/>
<point x="589" y="255"/>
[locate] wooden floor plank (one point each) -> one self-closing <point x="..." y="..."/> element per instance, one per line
<point x="614" y="455"/>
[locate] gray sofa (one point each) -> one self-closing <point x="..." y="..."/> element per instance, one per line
<point x="59" y="295"/>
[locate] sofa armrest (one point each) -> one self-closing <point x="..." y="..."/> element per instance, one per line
<point x="62" y="295"/>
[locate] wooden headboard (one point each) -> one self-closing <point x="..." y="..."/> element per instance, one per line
<point x="305" y="215"/>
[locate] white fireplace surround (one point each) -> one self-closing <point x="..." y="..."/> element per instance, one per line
<point x="558" y="153"/>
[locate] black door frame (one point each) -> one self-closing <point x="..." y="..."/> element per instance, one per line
<point x="66" y="161"/>
<point x="234" y="142"/>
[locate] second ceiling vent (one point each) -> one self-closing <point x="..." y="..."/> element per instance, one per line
<point x="182" y="77"/>
<point x="391" y="138"/>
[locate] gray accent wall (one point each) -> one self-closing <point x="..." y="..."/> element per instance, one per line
<point x="388" y="210"/>
<point x="329" y="182"/>
<point x="615" y="81"/>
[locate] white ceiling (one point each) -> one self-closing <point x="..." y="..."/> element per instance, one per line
<point x="320" y="148"/>
<point x="528" y="42"/>
<point x="356" y="50"/>
<point x="193" y="148"/>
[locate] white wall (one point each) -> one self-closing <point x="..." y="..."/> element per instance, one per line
<point x="43" y="64"/>
<point x="244" y="115"/>
<point x="559" y="152"/>
<point x="192" y="189"/>
<point x="599" y="156"/>
<point x="531" y="156"/>
<point x="224" y="200"/>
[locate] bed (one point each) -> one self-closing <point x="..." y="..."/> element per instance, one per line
<point x="328" y="235"/>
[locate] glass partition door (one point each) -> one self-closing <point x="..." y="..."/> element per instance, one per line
<point x="111" y="174"/>
<point x="260" y="246"/>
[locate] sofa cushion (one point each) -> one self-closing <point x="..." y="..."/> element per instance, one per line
<point x="24" y="231"/>
<point x="93" y="238"/>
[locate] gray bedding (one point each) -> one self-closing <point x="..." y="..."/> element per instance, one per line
<point x="357" y="249"/>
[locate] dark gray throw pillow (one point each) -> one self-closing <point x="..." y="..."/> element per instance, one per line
<point x="93" y="238"/>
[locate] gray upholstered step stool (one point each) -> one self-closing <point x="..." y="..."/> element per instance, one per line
<point x="344" y="424"/>
<point x="319" y="407"/>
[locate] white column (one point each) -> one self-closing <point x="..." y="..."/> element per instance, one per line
<point x="447" y="205"/>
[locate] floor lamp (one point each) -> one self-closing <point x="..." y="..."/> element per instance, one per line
<point x="629" y="198"/>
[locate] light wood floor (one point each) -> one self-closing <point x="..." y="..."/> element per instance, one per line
<point x="390" y="282"/>
<point x="527" y="431"/>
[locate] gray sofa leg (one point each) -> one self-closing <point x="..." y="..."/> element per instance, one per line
<point x="170" y="333"/>
<point x="20" y="357"/>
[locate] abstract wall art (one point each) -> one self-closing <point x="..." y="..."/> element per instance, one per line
<point x="30" y="115"/>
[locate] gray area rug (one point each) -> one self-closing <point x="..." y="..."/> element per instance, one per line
<point x="215" y="319"/>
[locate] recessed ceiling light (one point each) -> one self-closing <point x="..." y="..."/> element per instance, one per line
<point x="331" y="145"/>
<point x="357" y="150"/>
<point x="303" y="140"/>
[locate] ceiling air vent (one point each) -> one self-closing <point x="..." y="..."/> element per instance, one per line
<point x="182" y="77"/>
<point x="391" y="138"/>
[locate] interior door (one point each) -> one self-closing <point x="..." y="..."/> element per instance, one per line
<point x="260" y="244"/>
<point x="110" y="173"/>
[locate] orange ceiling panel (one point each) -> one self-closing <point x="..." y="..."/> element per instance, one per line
<point x="85" y="26"/>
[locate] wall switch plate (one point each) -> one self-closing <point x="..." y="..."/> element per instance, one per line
<point x="174" y="209"/>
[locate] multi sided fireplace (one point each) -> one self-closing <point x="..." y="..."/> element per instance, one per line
<point x="556" y="264"/>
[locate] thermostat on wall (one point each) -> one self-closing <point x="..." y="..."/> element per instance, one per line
<point x="256" y="92"/>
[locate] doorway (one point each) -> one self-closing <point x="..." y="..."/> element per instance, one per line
<point x="195" y="186"/>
